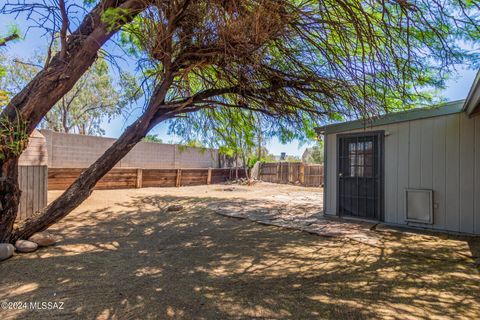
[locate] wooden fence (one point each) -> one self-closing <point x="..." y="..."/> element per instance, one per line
<point x="292" y="172"/>
<point x="62" y="178"/>
<point x="32" y="181"/>
<point x="32" y="176"/>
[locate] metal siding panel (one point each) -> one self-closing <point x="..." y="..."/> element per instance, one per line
<point x="403" y="169"/>
<point x="45" y="186"/>
<point x="37" y="188"/>
<point x="332" y="174"/>
<point x="467" y="164"/>
<point x="426" y="152"/>
<point x="30" y="190"/>
<point x="391" y="173"/>
<point x="23" y="187"/>
<point x="325" y="163"/>
<point x="476" y="218"/>
<point x="439" y="171"/>
<point x="42" y="190"/>
<point x="415" y="155"/>
<point x="452" y="173"/>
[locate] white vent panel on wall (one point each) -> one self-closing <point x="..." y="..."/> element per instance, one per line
<point x="419" y="205"/>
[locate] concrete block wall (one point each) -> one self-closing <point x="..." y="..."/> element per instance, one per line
<point x="79" y="151"/>
<point x="36" y="152"/>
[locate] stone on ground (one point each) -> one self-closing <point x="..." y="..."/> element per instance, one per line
<point x="43" y="239"/>
<point x="6" y="251"/>
<point x="175" y="207"/>
<point x="25" y="246"/>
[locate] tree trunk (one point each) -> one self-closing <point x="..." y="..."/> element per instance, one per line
<point x="10" y="197"/>
<point x="49" y="86"/>
<point x="83" y="185"/>
<point x="56" y="80"/>
<point x="245" y="168"/>
<point x="236" y="167"/>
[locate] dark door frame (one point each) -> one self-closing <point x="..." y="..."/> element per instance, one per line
<point x="381" y="156"/>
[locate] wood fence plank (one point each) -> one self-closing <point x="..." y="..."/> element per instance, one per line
<point x="179" y="178"/>
<point x="209" y="176"/>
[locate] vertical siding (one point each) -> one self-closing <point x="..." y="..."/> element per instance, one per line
<point x="403" y="176"/>
<point x="331" y="205"/>
<point x="452" y="173"/>
<point x="440" y="153"/>
<point x="426" y="152"/>
<point x="33" y="184"/>
<point x="477" y="177"/>
<point x="439" y="169"/>
<point x="391" y="173"/>
<point x="415" y="155"/>
<point x="467" y="165"/>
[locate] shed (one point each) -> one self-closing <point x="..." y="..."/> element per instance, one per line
<point x="33" y="176"/>
<point x="417" y="168"/>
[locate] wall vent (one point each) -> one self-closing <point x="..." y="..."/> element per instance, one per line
<point x="419" y="205"/>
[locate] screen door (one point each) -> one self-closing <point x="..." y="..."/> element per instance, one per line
<point x="360" y="175"/>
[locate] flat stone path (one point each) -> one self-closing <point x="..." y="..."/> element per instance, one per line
<point x="300" y="215"/>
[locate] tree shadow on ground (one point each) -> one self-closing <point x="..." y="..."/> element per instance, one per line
<point x="137" y="260"/>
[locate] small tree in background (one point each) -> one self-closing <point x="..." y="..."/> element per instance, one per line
<point x="152" y="138"/>
<point x="232" y="131"/>
<point x="315" y="154"/>
<point x="13" y="35"/>
<point x="93" y="99"/>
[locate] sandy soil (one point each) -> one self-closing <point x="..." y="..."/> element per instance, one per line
<point x="123" y="256"/>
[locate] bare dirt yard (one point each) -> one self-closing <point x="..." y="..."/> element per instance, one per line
<point x="123" y="255"/>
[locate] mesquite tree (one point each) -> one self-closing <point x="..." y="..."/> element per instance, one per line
<point x="26" y="109"/>
<point x="296" y="62"/>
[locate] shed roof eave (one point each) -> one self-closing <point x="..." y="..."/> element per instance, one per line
<point x="414" y="114"/>
<point x="472" y="103"/>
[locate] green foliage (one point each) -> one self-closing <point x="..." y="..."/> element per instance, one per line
<point x="152" y="138"/>
<point x="315" y="153"/>
<point x="290" y="158"/>
<point x="13" y="137"/>
<point x="3" y="73"/>
<point x="94" y="98"/>
<point x="115" y="17"/>
<point x="236" y="133"/>
<point x="298" y="64"/>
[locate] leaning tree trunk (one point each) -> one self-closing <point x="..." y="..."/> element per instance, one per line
<point x="83" y="185"/>
<point x="9" y="199"/>
<point x="245" y="167"/>
<point x="49" y="86"/>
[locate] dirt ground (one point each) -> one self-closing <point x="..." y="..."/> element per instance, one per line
<point x="124" y="256"/>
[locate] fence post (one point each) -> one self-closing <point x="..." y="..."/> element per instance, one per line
<point x="279" y="173"/>
<point x="289" y="172"/>
<point x="209" y="176"/>
<point x="322" y="175"/>
<point x="139" y="183"/>
<point x="301" y="174"/>
<point x="179" y="178"/>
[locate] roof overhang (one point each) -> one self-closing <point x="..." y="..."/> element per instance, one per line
<point x="472" y="103"/>
<point x="414" y="114"/>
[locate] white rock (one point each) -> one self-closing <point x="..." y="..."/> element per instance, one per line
<point x="43" y="239"/>
<point x="25" y="246"/>
<point x="6" y="251"/>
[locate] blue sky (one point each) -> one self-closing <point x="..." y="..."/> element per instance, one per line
<point x="457" y="87"/>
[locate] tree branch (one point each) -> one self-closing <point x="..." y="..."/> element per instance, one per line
<point x="4" y="41"/>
